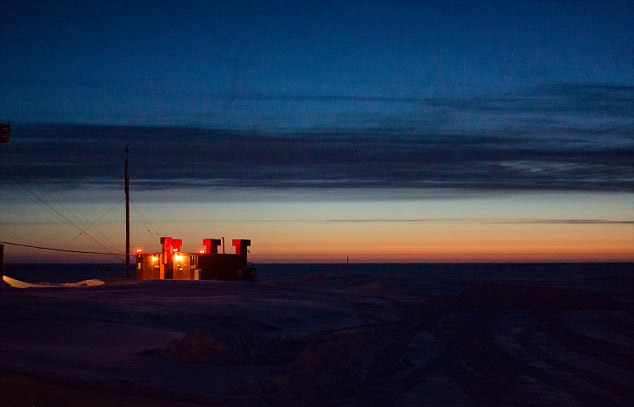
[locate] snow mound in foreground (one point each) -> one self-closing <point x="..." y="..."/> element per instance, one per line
<point x="23" y="284"/>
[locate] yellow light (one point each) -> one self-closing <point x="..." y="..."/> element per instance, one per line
<point x="178" y="257"/>
<point x="201" y="251"/>
<point x="139" y="250"/>
<point x="154" y="258"/>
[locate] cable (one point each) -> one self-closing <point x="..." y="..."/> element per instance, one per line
<point x="60" y="250"/>
<point x="78" y="217"/>
<point x="41" y="202"/>
<point x="145" y="221"/>
<point x="142" y="220"/>
<point x="95" y="221"/>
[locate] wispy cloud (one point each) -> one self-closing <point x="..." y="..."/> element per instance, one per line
<point x="496" y="221"/>
<point x="200" y="158"/>
<point x="577" y="98"/>
<point x="559" y="107"/>
<point x="557" y="137"/>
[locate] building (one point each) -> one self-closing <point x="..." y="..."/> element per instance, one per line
<point x="208" y="264"/>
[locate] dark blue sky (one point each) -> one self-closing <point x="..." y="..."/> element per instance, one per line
<point x="271" y="65"/>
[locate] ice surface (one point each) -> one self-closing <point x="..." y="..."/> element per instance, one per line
<point x="345" y="339"/>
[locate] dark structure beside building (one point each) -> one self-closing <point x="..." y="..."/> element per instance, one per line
<point x="208" y="264"/>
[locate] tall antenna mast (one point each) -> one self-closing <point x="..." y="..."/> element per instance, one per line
<point x="127" y="216"/>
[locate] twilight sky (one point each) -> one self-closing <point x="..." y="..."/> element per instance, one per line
<point x="383" y="131"/>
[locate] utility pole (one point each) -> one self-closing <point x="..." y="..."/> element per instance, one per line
<point x="1" y="264"/>
<point x="127" y="216"/>
<point x="5" y="133"/>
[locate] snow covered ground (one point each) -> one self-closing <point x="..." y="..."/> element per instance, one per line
<point x="323" y="339"/>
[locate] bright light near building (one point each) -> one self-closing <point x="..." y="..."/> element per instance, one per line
<point x="154" y="258"/>
<point x="178" y="257"/>
<point x="139" y="250"/>
<point x="201" y="251"/>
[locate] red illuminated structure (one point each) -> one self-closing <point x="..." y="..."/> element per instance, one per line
<point x="208" y="264"/>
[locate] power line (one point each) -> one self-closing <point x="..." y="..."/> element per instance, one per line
<point x="44" y="204"/>
<point x="54" y="249"/>
<point x="95" y="221"/>
<point x="83" y="221"/>
<point x="145" y="221"/>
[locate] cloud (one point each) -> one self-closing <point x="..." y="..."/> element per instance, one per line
<point x="550" y="99"/>
<point x="554" y="137"/>
<point x="198" y="158"/>
<point x="490" y="221"/>
<point x="219" y="106"/>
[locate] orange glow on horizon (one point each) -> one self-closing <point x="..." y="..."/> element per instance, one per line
<point x="527" y="227"/>
<point x="462" y="243"/>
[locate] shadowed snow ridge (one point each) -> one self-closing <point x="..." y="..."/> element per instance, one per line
<point x="327" y="340"/>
